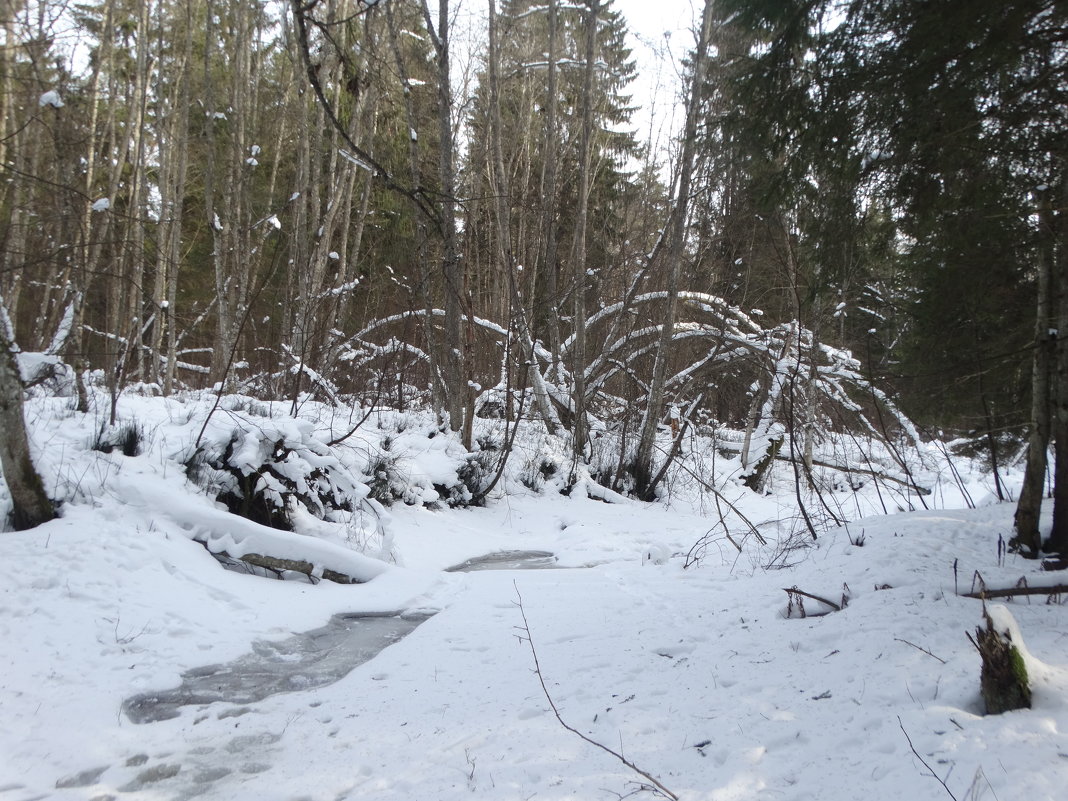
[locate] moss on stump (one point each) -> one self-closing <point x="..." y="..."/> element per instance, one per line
<point x="1003" y="680"/>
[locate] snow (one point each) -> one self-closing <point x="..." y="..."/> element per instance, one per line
<point x="50" y="98"/>
<point x="697" y="674"/>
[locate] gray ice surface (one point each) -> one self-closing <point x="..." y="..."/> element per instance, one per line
<point x="507" y="560"/>
<point x="301" y="662"/>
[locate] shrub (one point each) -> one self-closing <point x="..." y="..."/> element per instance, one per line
<point x="261" y="473"/>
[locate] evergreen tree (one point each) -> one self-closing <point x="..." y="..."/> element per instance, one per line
<point x="954" y="115"/>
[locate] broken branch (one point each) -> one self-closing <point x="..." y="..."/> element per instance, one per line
<point x="657" y="786"/>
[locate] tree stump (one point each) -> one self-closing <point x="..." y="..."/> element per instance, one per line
<point x="1003" y="679"/>
<point x="758" y="476"/>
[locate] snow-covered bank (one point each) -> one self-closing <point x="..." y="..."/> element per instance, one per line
<point x="696" y="674"/>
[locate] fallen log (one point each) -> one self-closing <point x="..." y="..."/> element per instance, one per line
<point x="278" y="566"/>
<point x="1009" y="592"/>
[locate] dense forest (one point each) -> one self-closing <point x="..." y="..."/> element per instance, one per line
<point x="861" y="226"/>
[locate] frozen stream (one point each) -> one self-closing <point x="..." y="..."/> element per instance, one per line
<point x="309" y="659"/>
<point x="506" y="560"/>
<point x="302" y="662"/>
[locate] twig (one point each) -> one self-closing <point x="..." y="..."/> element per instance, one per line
<point x="657" y="786"/>
<point x="922" y="760"/>
<point x="918" y="648"/>
<point x="795" y="591"/>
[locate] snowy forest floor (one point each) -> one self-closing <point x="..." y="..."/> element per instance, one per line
<point x="705" y="676"/>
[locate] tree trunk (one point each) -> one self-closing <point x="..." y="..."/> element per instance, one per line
<point x="1027" y="539"/>
<point x="643" y="460"/>
<point x="30" y="505"/>
<point x="1058" y="541"/>
<point x="422" y="245"/>
<point x="455" y="357"/>
<point x="504" y="236"/>
<point x="578" y="367"/>
<point x="549" y="184"/>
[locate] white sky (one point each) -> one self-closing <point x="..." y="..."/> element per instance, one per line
<point x="661" y="34"/>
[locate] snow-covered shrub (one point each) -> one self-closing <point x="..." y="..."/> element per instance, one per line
<point x="261" y="472"/>
<point x="385" y="483"/>
<point x="46" y="375"/>
<point x="472" y="477"/>
<point x="246" y="405"/>
<point x="536" y="471"/>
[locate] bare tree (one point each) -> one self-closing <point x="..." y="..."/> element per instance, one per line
<point x="580" y="424"/>
<point x="457" y="359"/>
<point x="504" y="236"/>
<point x="643" y="460"/>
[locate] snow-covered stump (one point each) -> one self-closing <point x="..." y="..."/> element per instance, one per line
<point x="758" y="475"/>
<point x="1003" y="680"/>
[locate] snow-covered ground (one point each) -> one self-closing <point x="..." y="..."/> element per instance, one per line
<point x="696" y="675"/>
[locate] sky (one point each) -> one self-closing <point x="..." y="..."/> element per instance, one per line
<point x="660" y="36"/>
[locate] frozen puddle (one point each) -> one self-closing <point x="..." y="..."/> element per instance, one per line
<point x="302" y="662"/>
<point x="507" y="560"/>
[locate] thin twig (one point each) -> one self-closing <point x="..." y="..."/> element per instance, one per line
<point x="918" y="648"/>
<point x="822" y="600"/>
<point x="922" y="760"/>
<point x="657" y="786"/>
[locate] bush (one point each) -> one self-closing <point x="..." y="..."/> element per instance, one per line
<point x="472" y="477"/>
<point x="261" y="473"/>
<point x="385" y="483"/>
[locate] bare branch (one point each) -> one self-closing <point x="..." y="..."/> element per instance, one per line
<point x="918" y="648"/>
<point x="795" y="591"/>
<point x="656" y="787"/>
<point x="924" y="761"/>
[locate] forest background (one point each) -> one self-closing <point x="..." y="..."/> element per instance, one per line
<point x="859" y="225"/>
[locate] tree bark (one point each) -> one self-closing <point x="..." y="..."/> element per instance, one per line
<point x="30" y="504"/>
<point x="504" y="236"/>
<point x="455" y="357"/>
<point x="549" y="183"/>
<point x="579" y="430"/>
<point x="643" y="460"/>
<point x="1058" y="541"/>
<point x="1027" y="539"/>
